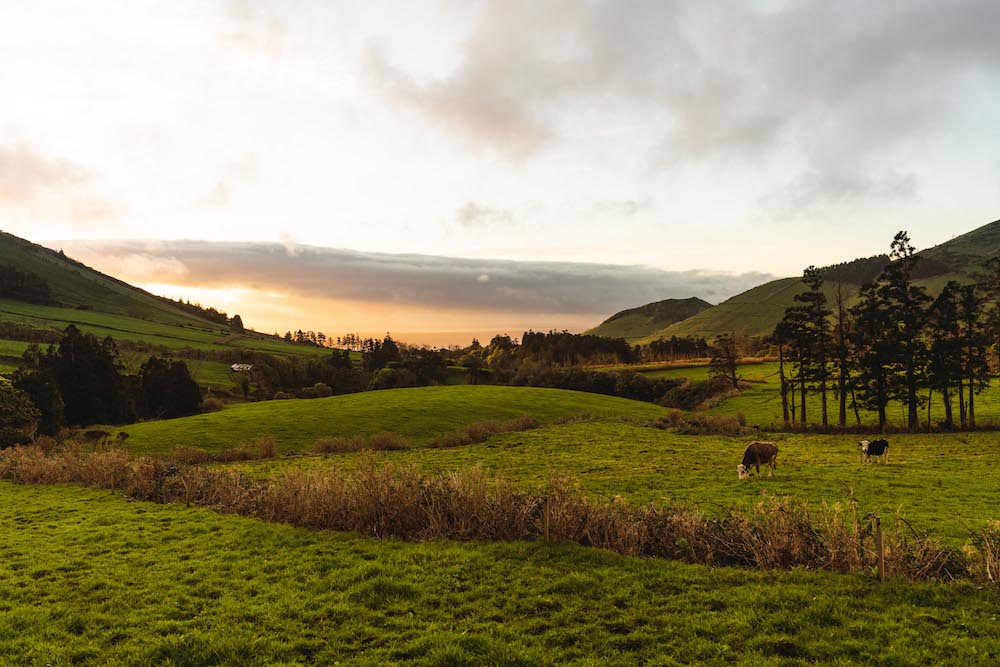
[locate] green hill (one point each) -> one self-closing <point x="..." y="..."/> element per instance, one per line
<point x="105" y="306"/>
<point x="759" y="309"/>
<point x="75" y="285"/>
<point x="418" y="413"/>
<point x="636" y="323"/>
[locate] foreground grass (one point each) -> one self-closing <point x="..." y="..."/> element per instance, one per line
<point x="417" y="413"/>
<point x="944" y="484"/>
<point x="87" y="578"/>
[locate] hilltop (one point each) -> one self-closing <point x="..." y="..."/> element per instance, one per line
<point x="637" y="323"/>
<point x="43" y="291"/>
<point x="759" y="309"/>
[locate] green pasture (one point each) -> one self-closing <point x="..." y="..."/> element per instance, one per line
<point x="418" y="413"/>
<point x="87" y="578"/>
<point x="943" y="484"/>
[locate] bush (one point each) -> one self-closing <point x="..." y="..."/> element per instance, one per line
<point x="18" y="416"/>
<point x="190" y="455"/>
<point x="212" y="404"/>
<point x="386" y="440"/>
<point x="482" y="431"/>
<point x="690" y="395"/>
<point x="339" y="445"/>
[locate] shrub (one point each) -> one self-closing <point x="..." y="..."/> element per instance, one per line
<point x="212" y="404"/>
<point x="482" y="431"/>
<point x="190" y="455"/>
<point x="266" y="447"/>
<point x="338" y="445"/>
<point x="386" y="440"/>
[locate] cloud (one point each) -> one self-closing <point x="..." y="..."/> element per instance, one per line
<point x="817" y="193"/>
<point x="822" y="83"/>
<point x="432" y="282"/>
<point x="49" y="187"/>
<point x="476" y="216"/>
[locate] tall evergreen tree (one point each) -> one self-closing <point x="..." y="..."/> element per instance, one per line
<point x="945" y="359"/>
<point x="975" y="342"/>
<point x="875" y="354"/>
<point x="906" y="308"/>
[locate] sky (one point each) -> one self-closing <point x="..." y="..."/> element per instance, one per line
<point x="444" y="167"/>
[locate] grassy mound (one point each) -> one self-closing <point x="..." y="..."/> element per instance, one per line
<point x="188" y="586"/>
<point x="418" y="413"/>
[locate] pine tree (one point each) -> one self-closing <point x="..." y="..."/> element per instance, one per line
<point x="945" y="359"/>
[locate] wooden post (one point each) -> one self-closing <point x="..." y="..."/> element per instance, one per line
<point x="881" y="549"/>
<point x="545" y="518"/>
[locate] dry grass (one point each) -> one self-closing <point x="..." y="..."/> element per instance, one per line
<point x="382" y="441"/>
<point x="385" y="500"/>
<point x="482" y="431"/>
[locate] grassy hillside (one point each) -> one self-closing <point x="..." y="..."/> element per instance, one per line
<point x="90" y="579"/>
<point x="74" y="284"/>
<point x="418" y="413"/>
<point x="105" y="306"/>
<point x="637" y="323"/>
<point x="758" y="310"/>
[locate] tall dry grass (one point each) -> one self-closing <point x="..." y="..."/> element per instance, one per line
<point x="482" y="431"/>
<point x="383" y="500"/>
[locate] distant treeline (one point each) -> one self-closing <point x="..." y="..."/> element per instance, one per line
<point x="211" y="314"/>
<point x="24" y="286"/>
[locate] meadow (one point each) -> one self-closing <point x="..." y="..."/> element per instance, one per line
<point x="88" y="578"/>
<point x="418" y="413"/>
<point x="943" y="484"/>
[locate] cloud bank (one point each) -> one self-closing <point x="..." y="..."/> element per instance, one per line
<point x="446" y="283"/>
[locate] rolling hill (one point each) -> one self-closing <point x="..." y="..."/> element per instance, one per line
<point x="105" y="306"/>
<point x="637" y="323"/>
<point x="418" y="413"/>
<point x="759" y="309"/>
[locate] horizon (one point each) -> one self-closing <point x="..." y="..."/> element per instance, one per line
<point x="488" y="167"/>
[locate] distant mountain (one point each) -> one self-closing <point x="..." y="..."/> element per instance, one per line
<point x="759" y="309"/>
<point x="636" y="323"/>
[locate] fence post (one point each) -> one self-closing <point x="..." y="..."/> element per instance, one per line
<point x="881" y="549"/>
<point x="545" y="519"/>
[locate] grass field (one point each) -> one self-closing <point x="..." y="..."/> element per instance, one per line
<point x="941" y="483"/>
<point x="417" y="413"/>
<point x="88" y="578"/>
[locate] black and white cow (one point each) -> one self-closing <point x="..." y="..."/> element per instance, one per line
<point x="877" y="448"/>
<point x="757" y="454"/>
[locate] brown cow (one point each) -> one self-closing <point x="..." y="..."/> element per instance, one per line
<point x="757" y="454"/>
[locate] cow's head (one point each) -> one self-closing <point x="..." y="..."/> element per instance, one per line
<point x="864" y="446"/>
<point x="742" y="472"/>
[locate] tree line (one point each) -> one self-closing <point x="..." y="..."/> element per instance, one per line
<point x="891" y="341"/>
<point x="81" y="382"/>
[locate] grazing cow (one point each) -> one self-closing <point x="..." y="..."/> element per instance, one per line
<point x="877" y="448"/>
<point x="757" y="454"/>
